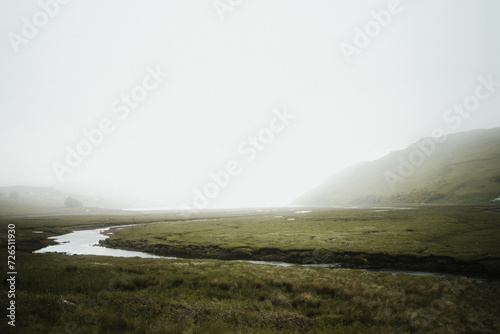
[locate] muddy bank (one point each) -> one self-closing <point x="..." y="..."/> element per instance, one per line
<point x="483" y="268"/>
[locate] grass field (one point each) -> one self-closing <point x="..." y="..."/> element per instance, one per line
<point x="56" y="293"/>
<point x="92" y="294"/>
<point x="452" y="236"/>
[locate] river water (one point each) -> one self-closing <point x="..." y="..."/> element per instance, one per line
<point x="86" y="242"/>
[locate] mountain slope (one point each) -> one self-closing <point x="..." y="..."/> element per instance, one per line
<point x="458" y="168"/>
<point x="34" y="199"/>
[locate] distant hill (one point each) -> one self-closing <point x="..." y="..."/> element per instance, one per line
<point x="462" y="167"/>
<point x="25" y="199"/>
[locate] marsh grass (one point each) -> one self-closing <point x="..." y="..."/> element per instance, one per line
<point x="210" y="296"/>
<point x="95" y="294"/>
<point x="462" y="233"/>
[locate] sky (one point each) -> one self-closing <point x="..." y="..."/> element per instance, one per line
<point x="233" y="103"/>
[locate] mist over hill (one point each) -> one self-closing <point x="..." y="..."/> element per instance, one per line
<point x="462" y="167"/>
<point x="16" y="200"/>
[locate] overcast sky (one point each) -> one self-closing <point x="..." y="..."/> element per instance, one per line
<point x="181" y="89"/>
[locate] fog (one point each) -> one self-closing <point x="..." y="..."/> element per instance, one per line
<point x="250" y="103"/>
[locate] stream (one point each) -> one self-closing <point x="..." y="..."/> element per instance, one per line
<point x="86" y="242"/>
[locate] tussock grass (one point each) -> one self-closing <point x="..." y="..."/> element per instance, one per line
<point x="222" y="284"/>
<point x="307" y="298"/>
<point x="211" y="296"/>
<point x="71" y="269"/>
<point x="90" y="294"/>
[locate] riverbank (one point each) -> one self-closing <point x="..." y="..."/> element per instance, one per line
<point x="90" y="242"/>
<point x="486" y="268"/>
<point x="447" y="240"/>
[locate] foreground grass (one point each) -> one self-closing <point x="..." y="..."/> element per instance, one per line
<point x="92" y="294"/>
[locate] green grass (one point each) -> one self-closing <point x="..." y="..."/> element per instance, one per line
<point x="463" y="233"/>
<point x="92" y="294"/>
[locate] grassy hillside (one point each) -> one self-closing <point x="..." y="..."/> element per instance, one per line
<point x="465" y="167"/>
<point x="43" y="200"/>
<point x="11" y="207"/>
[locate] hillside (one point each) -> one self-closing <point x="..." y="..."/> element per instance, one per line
<point x="463" y="167"/>
<point x="23" y="200"/>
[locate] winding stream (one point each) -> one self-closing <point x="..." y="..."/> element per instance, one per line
<point x="86" y="242"/>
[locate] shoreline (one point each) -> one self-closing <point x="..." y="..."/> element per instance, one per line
<point x="445" y="265"/>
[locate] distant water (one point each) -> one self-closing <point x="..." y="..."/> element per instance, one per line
<point x="152" y="209"/>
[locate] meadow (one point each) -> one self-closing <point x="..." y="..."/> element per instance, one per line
<point x="57" y="293"/>
<point x="448" y="239"/>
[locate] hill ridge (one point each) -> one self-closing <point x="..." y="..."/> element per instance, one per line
<point x="459" y="167"/>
